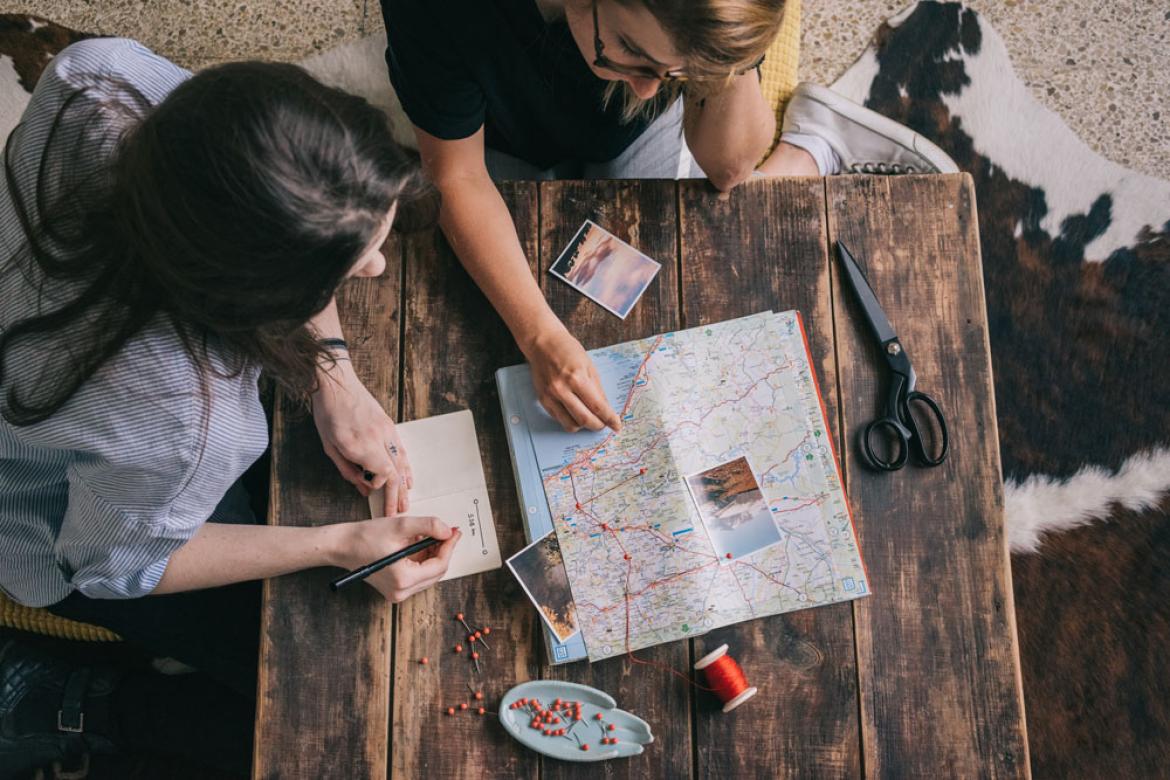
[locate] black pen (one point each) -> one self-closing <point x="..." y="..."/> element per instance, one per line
<point x="381" y="563"/>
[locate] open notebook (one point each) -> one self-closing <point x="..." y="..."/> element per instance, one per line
<point x="449" y="484"/>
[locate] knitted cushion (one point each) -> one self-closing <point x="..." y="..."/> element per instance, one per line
<point x="778" y="73"/>
<point x="41" y="621"/>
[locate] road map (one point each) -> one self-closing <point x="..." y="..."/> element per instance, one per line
<point x="644" y="564"/>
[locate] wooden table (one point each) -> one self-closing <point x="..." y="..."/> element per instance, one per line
<point x="921" y="679"/>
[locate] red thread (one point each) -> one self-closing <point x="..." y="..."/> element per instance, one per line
<point x="726" y="678"/>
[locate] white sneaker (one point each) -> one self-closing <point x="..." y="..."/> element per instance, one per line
<point x="866" y="141"/>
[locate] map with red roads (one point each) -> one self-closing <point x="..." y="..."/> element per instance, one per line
<point x="642" y="563"/>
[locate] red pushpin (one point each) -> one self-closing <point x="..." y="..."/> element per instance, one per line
<point x="597" y="716"/>
<point x="450" y="710"/>
<point x="481" y="711"/>
<point x="487" y="629"/>
<point x="611" y="727"/>
<point x="475" y="656"/>
<point x="585" y="746"/>
<point x="478" y="695"/>
<point x="626" y="556"/>
<point x="458" y="648"/>
<point x="728" y="555"/>
<point x="642" y="470"/>
<point x="424" y="660"/>
<point x="462" y="705"/>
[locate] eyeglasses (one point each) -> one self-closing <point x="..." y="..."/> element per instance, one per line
<point x="637" y="71"/>
<point x="644" y="71"/>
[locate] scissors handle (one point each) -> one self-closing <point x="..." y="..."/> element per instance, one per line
<point x="925" y="457"/>
<point x="881" y="434"/>
<point x="898" y="432"/>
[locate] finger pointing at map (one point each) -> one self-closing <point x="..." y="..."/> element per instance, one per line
<point x="568" y="386"/>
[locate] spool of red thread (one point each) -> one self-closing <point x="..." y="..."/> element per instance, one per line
<point x="725" y="678"/>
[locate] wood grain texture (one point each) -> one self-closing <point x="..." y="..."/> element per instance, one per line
<point x="919" y="680"/>
<point x="323" y="692"/>
<point x="764" y="248"/>
<point x="643" y="214"/>
<point x="454" y="342"/>
<point x="937" y="658"/>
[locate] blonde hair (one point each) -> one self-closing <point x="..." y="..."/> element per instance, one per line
<point x="716" y="39"/>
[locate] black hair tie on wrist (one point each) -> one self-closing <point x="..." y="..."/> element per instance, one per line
<point x="332" y="344"/>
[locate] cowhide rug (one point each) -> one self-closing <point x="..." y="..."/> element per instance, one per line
<point x="1076" y="255"/>
<point x="1076" y="259"/>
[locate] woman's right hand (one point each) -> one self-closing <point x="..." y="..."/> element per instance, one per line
<point x="366" y="541"/>
<point x="567" y="383"/>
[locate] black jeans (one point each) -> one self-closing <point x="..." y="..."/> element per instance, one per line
<point x="206" y="715"/>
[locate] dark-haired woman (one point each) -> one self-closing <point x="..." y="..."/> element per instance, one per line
<point x="167" y="238"/>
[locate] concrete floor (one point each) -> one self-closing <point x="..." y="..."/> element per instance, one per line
<point x="1094" y="62"/>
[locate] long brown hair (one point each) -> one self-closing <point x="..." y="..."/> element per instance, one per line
<point x="716" y="39"/>
<point x="232" y="210"/>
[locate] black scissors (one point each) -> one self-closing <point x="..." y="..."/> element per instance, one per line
<point x="898" y="431"/>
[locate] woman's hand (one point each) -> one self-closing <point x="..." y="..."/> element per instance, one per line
<point x="567" y="383"/>
<point x="368" y="540"/>
<point x="360" y="438"/>
<point x="226" y="553"/>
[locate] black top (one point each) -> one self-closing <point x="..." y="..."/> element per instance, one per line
<point x="458" y="65"/>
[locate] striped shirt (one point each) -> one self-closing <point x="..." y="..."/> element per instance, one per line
<point x="98" y="496"/>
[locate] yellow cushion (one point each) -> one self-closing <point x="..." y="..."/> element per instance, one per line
<point x="778" y="73"/>
<point x="40" y="621"/>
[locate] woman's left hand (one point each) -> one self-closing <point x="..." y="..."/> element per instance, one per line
<point x="360" y="438"/>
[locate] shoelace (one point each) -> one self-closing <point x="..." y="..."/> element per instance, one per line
<point x="882" y="168"/>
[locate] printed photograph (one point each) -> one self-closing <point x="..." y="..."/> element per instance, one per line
<point x="733" y="509"/>
<point x="541" y="572"/>
<point x="603" y="267"/>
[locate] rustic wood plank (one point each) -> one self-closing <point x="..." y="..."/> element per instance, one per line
<point x="764" y="248"/>
<point x="937" y="657"/>
<point x="324" y="682"/>
<point x="643" y="214"/>
<point x="454" y="342"/>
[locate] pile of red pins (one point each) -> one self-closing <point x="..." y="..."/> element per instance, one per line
<point x="464" y="706"/>
<point x="562" y="711"/>
<point x="473" y="636"/>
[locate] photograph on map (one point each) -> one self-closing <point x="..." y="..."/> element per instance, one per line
<point x="601" y="266"/>
<point x="541" y="572"/>
<point x="733" y="509"/>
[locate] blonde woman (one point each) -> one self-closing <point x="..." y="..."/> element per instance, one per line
<point x="537" y="89"/>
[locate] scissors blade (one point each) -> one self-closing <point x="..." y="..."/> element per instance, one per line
<point x="878" y="322"/>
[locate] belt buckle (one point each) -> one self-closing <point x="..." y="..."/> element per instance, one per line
<point x="70" y="729"/>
